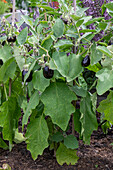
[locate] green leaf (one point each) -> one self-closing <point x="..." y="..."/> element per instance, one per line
<point x="94" y="20"/>
<point x="104" y="50"/>
<point x="94" y="68"/>
<point x="105" y="80"/>
<point x="102" y="25"/>
<point x="39" y="81"/>
<point x="5" y="53"/>
<point x="71" y="142"/>
<point x="96" y="55"/>
<point x="27" y="20"/>
<point x="65" y="155"/>
<point x="20" y="59"/>
<point x="30" y="69"/>
<point x="109" y="6"/>
<point x="77" y="123"/>
<point x="106" y="107"/>
<point x="80" y="91"/>
<point x="68" y="65"/>
<point x="58" y="28"/>
<point x="33" y="102"/>
<point x="63" y="44"/>
<point x="46" y="7"/>
<point x="7" y="70"/>
<point x="3" y="144"/>
<point x="37" y="135"/>
<point x="57" y="100"/>
<point x="18" y="138"/>
<point x="22" y="37"/>
<point x="57" y="137"/>
<point x="88" y="119"/>
<point x="9" y="115"/>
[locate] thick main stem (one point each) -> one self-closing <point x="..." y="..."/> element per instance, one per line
<point x="74" y="51"/>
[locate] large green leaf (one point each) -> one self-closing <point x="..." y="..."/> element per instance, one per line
<point x="39" y="81"/>
<point x="9" y="115"/>
<point x="63" y="44"/>
<point x="88" y="119"/>
<point x="71" y="142"/>
<point x="33" y="102"/>
<point x="105" y="80"/>
<point x="57" y="100"/>
<point x="105" y="50"/>
<point x="37" y="136"/>
<point x="21" y="38"/>
<point x="68" y="66"/>
<point x="58" y="28"/>
<point x="106" y="107"/>
<point x="65" y="155"/>
<point x="96" y="55"/>
<point x="20" y="59"/>
<point x="5" y="53"/>
<point x="8" y="70"/>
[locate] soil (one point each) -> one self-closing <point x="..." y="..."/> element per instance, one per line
<point x="97" y="156"/>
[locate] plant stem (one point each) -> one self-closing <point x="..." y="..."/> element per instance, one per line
<point x="10" y="84"/>
<point x="5" y="92"/>
<point x="13" y="15"/>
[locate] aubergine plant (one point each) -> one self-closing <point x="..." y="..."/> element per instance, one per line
<point x="50" y="53"/>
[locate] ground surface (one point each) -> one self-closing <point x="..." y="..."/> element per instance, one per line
<point x="97" y="156"/>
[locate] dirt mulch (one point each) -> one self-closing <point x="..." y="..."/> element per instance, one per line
<point x="97" y="156"/>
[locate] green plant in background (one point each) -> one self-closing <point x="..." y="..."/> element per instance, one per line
<point x="3" y="7"/>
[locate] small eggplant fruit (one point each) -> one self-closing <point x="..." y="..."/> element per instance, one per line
<point x="48" y="73"/>
<point x="86" y="61"/>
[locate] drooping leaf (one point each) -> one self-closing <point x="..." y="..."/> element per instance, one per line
<point x="18" y="137"/>
<point x="96" y="55"/>
<point x="105" y="50"/>
<point x="9" y="115"/>
<point x="58" y="28"/>
<point x="3" y="144"/>
<point x="68" y="65"/>
<point x="71" y="142"/>
<point x="57" y="137"/>
<point x="105" y="80"/>
<point x="77" y="123"/>
<point x="57" y="100"/>
<point x="33" y="102"/>
<point x="20" y="59"/>
<point x="37" y="136"/>
<point x="39" y="81"/>
<point x="21" y="38"/>
<point x="63" y="44"/>
<point x="88" y="119"/>
<point x="65" y="155"/>
<point x="79" y="91"/>
<point x="5" y="53"/>
<point x="106" y="107"/>
<point x="7" y="70"/>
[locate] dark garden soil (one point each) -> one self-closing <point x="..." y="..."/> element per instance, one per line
<point x="97" y="156"/>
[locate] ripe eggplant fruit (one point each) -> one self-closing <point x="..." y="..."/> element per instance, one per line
<point x="86" y="61"/>
<point x="47" y="73"/>
<point x="1" y="62"/>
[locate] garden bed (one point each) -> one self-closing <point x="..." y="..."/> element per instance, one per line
<point x="99" y="155"/>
